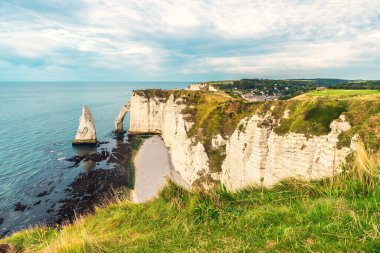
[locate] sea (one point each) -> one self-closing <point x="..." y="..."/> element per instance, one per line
<point x="38" y="121"/>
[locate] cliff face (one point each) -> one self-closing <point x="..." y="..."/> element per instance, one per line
<point x="255" y="154"/>
<point x="157" y="115"/>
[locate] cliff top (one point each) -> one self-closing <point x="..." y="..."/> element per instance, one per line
<point x="311" y="114"/>
<point x="341" y="94"/>
<point x="270" y="89"/>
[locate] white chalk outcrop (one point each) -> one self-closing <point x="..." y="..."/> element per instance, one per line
<point x="157" y="115"/>
<point x="258" y="156"/>
<point x="255" y="154"/>
<point x="86" y="133"/>
<point x="201" y="86"/>
<point x="119" y="128"/>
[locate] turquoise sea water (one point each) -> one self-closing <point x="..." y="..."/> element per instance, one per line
<point x="38" y="121"/>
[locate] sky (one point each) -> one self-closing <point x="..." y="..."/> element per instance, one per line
<point x="189" y="40"/>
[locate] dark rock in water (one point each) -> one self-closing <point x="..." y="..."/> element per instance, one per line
<point x="1" y="220"/>
<point x="112" y="159"/>
<point x="20" y="207"/>
<point x="94" y="157"/>
<point x="76" y="159"/>
<point x="119" y="136"/>
<point x="37" y="203"/>
<point x="90" y="189"/>
<point x="41" y="194"/>
<point x="6" y="248"/>
<point x="95" y="186"/>
<point x="99" y="143"/>
<point x="98" y="157"/>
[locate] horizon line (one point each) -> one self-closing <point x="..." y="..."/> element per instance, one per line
<point x="177" y="81"/>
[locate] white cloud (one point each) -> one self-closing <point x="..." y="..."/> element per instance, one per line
<point x="295" y="57"/>
<point x="121" y="34"/>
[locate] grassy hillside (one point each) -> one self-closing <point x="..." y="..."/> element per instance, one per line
<point x="340" y="93"/>
<point x="337" y="215"/>
<point x="361" y="108"/>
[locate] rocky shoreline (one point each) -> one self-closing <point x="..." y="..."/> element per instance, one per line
<point x="96" y="185"/>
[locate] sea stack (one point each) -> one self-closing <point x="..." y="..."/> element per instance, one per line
<point x="86" y="134"/>
<point x="120" y="118"/>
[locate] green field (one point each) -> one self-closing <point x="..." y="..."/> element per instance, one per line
<point x="331" y="92"/>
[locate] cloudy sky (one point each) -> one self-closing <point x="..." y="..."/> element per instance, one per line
<point x="189" y="40"/>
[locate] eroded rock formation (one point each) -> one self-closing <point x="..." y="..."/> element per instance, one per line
<point x="156" y="115"/>
<point x="119" y="128"/>
<point x="255" y="154"/>
<point x="86" y="133"/>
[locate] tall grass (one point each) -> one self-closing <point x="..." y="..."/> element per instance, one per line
<point x="360" y="176"/>
<point x="330" y="215"/>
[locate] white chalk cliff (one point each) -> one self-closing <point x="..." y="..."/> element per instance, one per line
<point x="86" y="133"/>
<point x="156" y="115"/>
<point x="255" y="154"/>
<point x="259" y="156"/>
<point x="201" y="86"/>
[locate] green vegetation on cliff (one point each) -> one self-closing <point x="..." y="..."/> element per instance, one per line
<point x="216" y="113"/>
<point x="336" y="215"/>
<point x="311" y="117"/>
<point x="360" y="107"/>
<point x="310" y="114"/>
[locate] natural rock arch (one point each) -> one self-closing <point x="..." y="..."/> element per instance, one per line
<point x="119" y="128"/>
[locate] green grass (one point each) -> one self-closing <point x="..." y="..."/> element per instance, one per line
<point x="293" y="217"/>
<point x="332" y="215"/>
<point x="333" y="92"/>
<point x="311" y="117"/>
